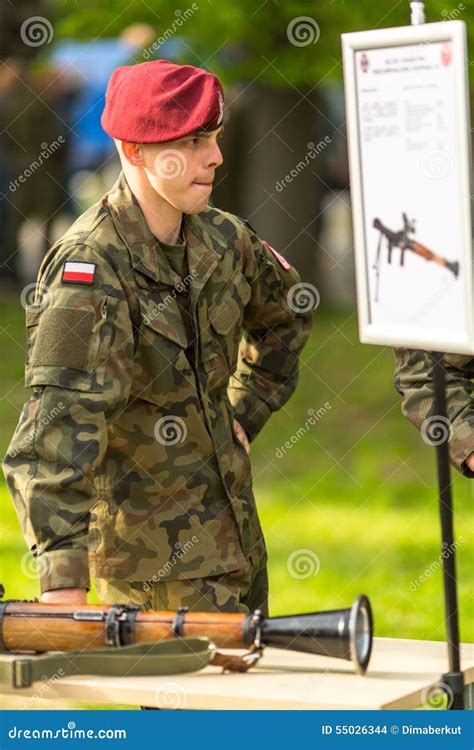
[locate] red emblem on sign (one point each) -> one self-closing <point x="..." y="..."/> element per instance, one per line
<point x="446" y="54"/>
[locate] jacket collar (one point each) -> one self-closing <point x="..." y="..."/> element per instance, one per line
<point x="205" y="245"/>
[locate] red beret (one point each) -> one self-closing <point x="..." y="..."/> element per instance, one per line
<point x="159" y="101"/>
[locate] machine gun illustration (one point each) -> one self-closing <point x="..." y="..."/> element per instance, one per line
<point x="403" y="240"/>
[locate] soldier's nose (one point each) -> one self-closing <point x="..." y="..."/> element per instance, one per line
<point x="216" y="157"/>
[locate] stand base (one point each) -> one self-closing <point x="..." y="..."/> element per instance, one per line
<point x="454" y="682"/>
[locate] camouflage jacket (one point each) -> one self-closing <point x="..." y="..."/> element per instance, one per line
<point x="125" y="461"/>
<point x="413" y="380"/>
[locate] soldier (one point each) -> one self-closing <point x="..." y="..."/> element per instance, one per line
<point x="414" y="381"/>
<point x="161" y="339"/>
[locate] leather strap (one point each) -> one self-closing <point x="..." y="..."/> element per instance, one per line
<point x="235" y="663"/>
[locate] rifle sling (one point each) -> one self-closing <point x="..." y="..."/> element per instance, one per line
<point x="141" y="659"/>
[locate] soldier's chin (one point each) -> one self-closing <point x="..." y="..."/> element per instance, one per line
<point x="197" y="201"/>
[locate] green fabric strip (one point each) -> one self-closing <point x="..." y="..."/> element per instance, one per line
<point x="173" y="656"/>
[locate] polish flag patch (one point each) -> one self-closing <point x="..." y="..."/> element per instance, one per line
<point x="282" y="261"/>
<point x="78" y="273"/>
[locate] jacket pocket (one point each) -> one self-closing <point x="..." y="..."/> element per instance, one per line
<point x="226" y="313"/>
<point x="220" y="344"/>
<point x="67" y="347"/>
<point x="161" y="369"/>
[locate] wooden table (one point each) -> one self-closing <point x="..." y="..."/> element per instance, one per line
<point x="400" y="673"/>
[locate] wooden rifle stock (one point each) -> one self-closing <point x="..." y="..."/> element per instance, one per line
<point x="428" y="254"/>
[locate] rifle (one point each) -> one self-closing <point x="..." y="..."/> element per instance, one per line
<point x="402" y="240"/>
<point x="41" y="627"/>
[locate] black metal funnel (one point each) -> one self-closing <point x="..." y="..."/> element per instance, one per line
<point x="340" y="633"/>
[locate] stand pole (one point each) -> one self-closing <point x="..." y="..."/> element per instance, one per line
<point x="454" y="679"/>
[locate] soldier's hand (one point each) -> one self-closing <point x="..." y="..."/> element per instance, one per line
<point x="470" y="461"/>
<point x="242" y="435"/>
<point x="65" y="596"/>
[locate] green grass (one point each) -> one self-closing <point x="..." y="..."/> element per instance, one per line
<point x="358" y="489"/>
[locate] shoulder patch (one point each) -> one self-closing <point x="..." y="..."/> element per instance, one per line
<point x="282" y="261"/>
<point x="76" y="272"/>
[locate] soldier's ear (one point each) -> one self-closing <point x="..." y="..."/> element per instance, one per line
<point x="132" y="153"/>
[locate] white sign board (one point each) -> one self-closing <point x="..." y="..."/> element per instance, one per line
<point x="409" y="151"/>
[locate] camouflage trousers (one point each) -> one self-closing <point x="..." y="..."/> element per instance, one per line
<point x="242" y="590"/>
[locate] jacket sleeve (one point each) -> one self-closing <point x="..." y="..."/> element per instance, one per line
<point x="78" y="364"/>
<point x="414" y="381"/>
<point x="276" y="325"/>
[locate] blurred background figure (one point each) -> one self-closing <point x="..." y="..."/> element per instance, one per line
<point x="31" y="187"/>
<point x="92" y="164"/>
<point x="55" y="158"/>
<point x="36" y="136"/>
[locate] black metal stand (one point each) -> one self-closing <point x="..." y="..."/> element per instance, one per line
<point x="454" y="679"/>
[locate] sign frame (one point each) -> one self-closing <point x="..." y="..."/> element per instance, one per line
<point x="404" y="335"/>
